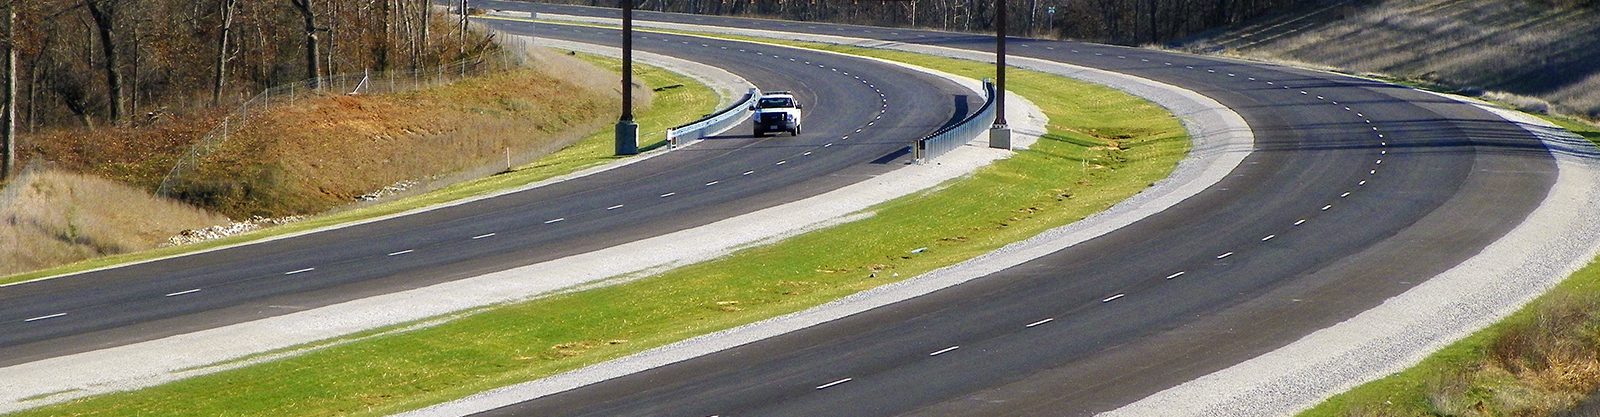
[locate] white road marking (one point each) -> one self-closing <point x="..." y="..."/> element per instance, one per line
<point x="299" y="271"/>
<point x="182" y="293"/>
<point x="1380" y="162"/>
<point x="1362" y="183"/>
<point x="1346" y="194"/>
<point x="782" y="162"/>
<point x="1269" y="237"/>
<point x="402" y="252"/>
<point x="1113" y="298"/>
<point x="1303" y="92"/>
<point x="614" y="207"/>
<point x="1300" y="222"/>
<point x="944" y="351"/>
<point x="1177" y="274"/>
<point x="483" y="236"/>
<point x="713" y="183"/>
<point x="825" y="386"/>
<point x="1320" y="98"/>
<point x="44" y="317"/>
<point x="808" y="153"/>
<point x="1225" y="255"/>
<point x="1325" y="208"/>
<point x="555" y="220"/>
<point x="1372" y="172"/>
<point x="1040" y="322"/>
<point x="747" y="173"/>
<point x="1383" y="152"/>
<point x="668" y="195"/>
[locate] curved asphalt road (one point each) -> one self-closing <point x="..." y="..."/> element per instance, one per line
<point x="1335" y="211"/>
<point x="715" y="179"/>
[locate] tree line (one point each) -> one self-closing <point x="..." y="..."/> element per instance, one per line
<point x="1112" y="21"/>
<point x="92" y="62"/>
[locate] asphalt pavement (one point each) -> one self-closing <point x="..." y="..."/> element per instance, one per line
<point x="1357" y="191"/>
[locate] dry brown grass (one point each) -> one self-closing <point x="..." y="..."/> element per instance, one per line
<point x="318" y="154"/>
<point x="53" y="217"/>
<point x="1519" y="47"/>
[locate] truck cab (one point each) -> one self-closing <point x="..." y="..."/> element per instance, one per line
<point x="776" y="111"/>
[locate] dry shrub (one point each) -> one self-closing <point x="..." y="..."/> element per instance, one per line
<point x="1557" y="350"/>
<point x="53" y="217"/>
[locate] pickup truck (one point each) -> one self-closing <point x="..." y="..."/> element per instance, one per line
<point x="777" y="111"/>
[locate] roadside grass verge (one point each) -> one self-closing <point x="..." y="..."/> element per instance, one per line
<point x="1102" y="147"/>
<point x="1541" y="360"/>
<point x="670" y="107"/>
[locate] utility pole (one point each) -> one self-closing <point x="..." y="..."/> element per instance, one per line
<point x="1000" y="133"/>
<point x="627" y="130"/>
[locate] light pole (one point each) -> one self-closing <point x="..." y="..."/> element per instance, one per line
<point x="627" y="130"/>
<point x="1000" y="133"/>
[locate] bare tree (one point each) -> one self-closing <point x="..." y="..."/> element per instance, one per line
<point x="221" y="72"/>
<point x="104" y="13"/>
<point x="313" y="65"/>
<point x="8" y="161"/>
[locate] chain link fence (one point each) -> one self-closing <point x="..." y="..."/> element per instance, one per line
<point x="511" y="53"/>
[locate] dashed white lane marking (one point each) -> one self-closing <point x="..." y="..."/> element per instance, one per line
<point x="1114" y="297"/>
<point x="1300" y="222"/>
<point x="1325" y="208"/>
<point x="1040" y="322"/>
<point x="782" y="162"/>
<point x="1269" y="237"/>
<point x="713" y="183"/>
<point x="827" y="144"/>
<point x="1346" y="194"/>
<point x="1383" y="152"/>
<point x="668" y="195"/>
<point x="1225" y="255"/>
<point x="44" y="317"/>
<point x="944" y="351"/>
<point x="1176" y="274"/>
<point x="1320" y="98"/>
<point x="1303" y="92"/>
<point x="825" y="386"/>
<point x="183" y="293"/>
<point x="401" y="252"/>
<point x="1362" y="183"/>
<point x="747" y="173"/>
<point x="1380" y="162"/>
<point x="1372" y="172"/>
<point x="614" y="207"/>
<point x="485" y="235"/>
<point x="297" y="271"/>
<point x="808" y="153"/>
<point x="555" y="220"/>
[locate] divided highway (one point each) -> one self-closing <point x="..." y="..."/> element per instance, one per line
<point x="860" y="117"/>
<point x="1356" y="192"/>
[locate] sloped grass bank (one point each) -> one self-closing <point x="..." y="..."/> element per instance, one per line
<point x="670" y="107"/>
<point x="1541" y="360"/>
<point x="1102" y="147"/>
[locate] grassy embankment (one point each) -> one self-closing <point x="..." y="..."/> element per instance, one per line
<point x="1102" y="147"/>
<point x="1541" y="360"/>
<point x="491" y="96"/>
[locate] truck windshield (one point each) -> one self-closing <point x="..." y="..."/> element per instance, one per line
<point x="768" y="103"/>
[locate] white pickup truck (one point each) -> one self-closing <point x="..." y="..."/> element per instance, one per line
<point x="777" y="111"/>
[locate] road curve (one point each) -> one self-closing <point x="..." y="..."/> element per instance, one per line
<point x="1356" y="192"/>
<point x="716" y="179"/>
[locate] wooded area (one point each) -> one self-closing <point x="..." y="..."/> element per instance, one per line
<point x="91" y="62"/>
<point x="1114" y="21"/>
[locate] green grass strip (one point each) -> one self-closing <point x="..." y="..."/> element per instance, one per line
<point x="1541" y="359"/>
<point x="669" y="108"/>
<point x="1102" y="147"/>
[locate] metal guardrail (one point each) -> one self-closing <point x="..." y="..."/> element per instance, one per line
<point x="716" y="123"/>
<point x="953" y="136"/>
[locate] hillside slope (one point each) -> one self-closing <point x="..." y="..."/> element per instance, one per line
<point x="1532" y="49"/>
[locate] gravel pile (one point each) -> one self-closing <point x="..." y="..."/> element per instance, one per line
<point x="230" y="229"/>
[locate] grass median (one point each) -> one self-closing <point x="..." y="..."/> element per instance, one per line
<point x="669" y="107"/>
<point x="1541" y="360"/>
<point x="1102" y="147"/>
